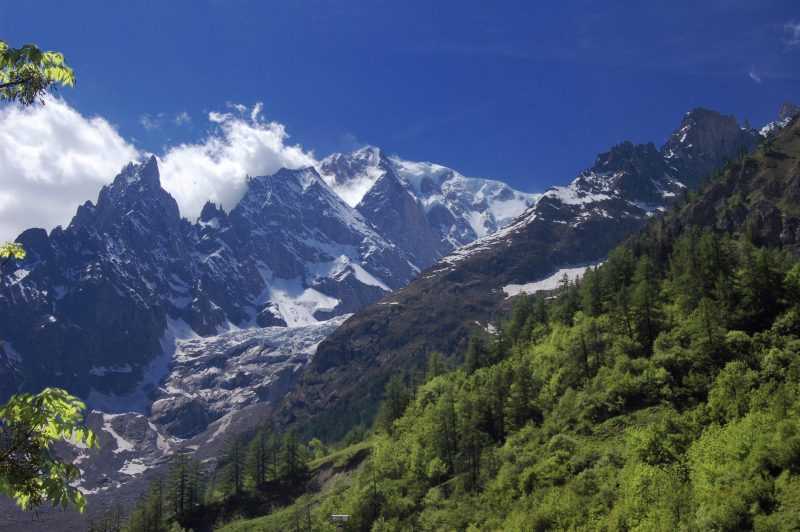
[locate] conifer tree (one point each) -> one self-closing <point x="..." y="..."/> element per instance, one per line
<point x="518" y="404"/>
<point x="476" y="355"/>
<point x="472" y="442"/>
<point x="591" y="293"/>
<point x="179" y="484"/>
<point x="435" y="365"/>
<point x="294" y="468"/>
<point x="447" y="430"/>
<point x="396" y="397"/>
<point x="645" y="301"/>
<point x="258" y="458"/>
<point x="523" y="306"/>
<point x="234" y="459"/>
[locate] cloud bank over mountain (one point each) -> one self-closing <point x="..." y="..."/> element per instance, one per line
<point x="53" y="158"/>
<point x="216" y="168"/>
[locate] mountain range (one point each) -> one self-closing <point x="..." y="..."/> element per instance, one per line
<point x="568" y="228"/>
<point x="92" y="304"/>
<point x="320" y="283"/>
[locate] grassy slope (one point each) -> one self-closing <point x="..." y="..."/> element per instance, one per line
<point x="330" y="474"/>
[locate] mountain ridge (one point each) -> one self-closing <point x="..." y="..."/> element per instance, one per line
<point x="569" y="225"/>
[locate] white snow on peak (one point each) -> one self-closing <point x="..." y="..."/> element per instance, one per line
<point x="134" y="467"/>
<point x="414" y="173"/>
<point x="101" y="371"/>
<point x="343" y="266"/>
<point x="684" y="132"/>
<point x="484" y="205"/>
<point x="485" y="243"/>
<point x="363" y="170"/>
<point x="774" y="126"/>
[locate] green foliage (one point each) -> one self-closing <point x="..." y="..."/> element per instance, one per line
<point x="436" y="365"/>
<point x="662" y="393"/>
<point x="169" y="501"/>
<point x="12" y="250"/>
<point x="26" y="73"/>
<point x="252" y="473"/>
<point x="30" y="471"/>
<point x="395" y="401"/>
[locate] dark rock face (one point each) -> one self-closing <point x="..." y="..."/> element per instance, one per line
<point x="99" y="294"/>
<point x="396" y="213"/>
<point x="788" y="111"/>
<point x="757" y="197"/>
<point x="89" y="295"/>
<point x="572" y="225"/>
<point x="180" y="415"/>
<point x="704" y="142"/>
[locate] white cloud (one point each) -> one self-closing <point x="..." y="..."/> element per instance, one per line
<point x="216" y="168"/>
<point x="52" y="158"/>
<point x="150" y="122"/>
<point x="237" y="106"/>
<point x="792" y="33"/>
<point x="183" y="118"/>
<point x="754" y="76"/>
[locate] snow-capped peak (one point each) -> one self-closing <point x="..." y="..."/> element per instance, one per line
<point x="352" y="175"/>
<point x="787" y="112"/>
<point x="459" y="209"/>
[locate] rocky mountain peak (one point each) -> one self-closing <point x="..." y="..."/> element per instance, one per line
<point x="368" y="153"/>
<point x="395" y="212"/>
<point x="705" y="131"/>
<point x="211" y="211"/>
<point x="135" y="198"/>
<point x="351" y="175"/>
<point x="704" y="141"/>
<point x="788" y="111"/>
<point x="143" y="174"/>
<point x="625" y="155"/>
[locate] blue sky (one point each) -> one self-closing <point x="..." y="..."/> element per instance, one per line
<point x="524" y="91"/>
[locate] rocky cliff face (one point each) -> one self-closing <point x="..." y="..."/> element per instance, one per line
<point x="93" y="306"/>
<point x="89" y="307"/>
<point x="179" y="333"/>
<point x="571" y="225"/>
<point x="703" y="142"/>
<point x="90" y="296"/>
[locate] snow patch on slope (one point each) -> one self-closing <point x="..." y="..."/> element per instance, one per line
<point x="548" y="283"/>
<point x="122" y="445"/>
<point x="297" y="304"/>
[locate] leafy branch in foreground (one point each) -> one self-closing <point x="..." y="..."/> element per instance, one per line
<point x="12" y="250"/>
<point x="30" y="425"/>
<point x="27" y="73"/>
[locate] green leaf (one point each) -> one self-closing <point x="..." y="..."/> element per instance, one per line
<point x="12" y="250"/>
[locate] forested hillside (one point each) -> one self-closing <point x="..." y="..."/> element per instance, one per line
<point x="662" y="392"/>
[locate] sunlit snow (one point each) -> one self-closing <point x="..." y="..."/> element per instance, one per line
<point x="548" y="283"/>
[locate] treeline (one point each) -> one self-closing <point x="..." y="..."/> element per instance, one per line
<point x="662" y="392"/>
<point x="253" y="474"/>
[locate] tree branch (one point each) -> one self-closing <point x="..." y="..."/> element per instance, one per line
<point x="13" y="83"/>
